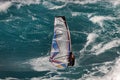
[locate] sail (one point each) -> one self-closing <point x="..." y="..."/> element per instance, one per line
<point x="61" y="43"/>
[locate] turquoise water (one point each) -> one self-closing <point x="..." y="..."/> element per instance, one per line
<point x="26" y="31"/>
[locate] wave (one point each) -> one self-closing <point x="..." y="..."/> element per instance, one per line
<point x="90" y="39"/>
<point x="110" y="74"/>
<point x="56" y="77"/>
<point x="51" y="78"/>
<point x="10" y="78"/>
<point x="79" y="1"/>
<point x="51" y="6"/>
<point x="115" y="2"/>
<point x="76" y="13"/>
<point x="100" y="48"/>
<point x="100" y="19"/>
<point x="48" y="4"/>
<point x="4" y="6"/>
<point x="83" y="2"/>
<point x="28" y="2"/>
<point x="41" y="64"/>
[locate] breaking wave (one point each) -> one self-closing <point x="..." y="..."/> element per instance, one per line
<point x="4" y="6"/>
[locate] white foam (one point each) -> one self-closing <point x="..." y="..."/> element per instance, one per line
<point x="96" y="47"/>
<point x="91" y="38"/>
<point x="107" y="46"/>
<point x="57" y="7"/>
<point x="36" y="78"/>
<point x="76" y="13"/>
<point x="89" y="14"/>
<point x="10" y="78"/>
<point x="4" y="6"/>
<point x="78" y="32"/>
<point x="80" y="1"/>
<point x="82" y="13"/>
<point x="34" y="18"/>
<point x="112" y="74"/>
<point x="19" y="6"/>
<point x="99" y="19"/>
<point x="83" y="2"/>
<point x="118" y="52"/>
<point x="51" y="6"/>
<point x="115" y="2"/>
<point x="25" y="2"/>
<point x="41" y="64"/>
<point x="28" y="2"/>
<point x="51" y="78"/>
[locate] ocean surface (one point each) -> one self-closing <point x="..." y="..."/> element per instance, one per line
<point x="26" y="31"/>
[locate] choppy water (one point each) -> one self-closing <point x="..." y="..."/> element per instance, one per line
<point x="26" y="30"/>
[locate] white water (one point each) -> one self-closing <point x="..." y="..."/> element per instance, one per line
<point x="51" y="78"/>
<point x="115" y="2"/>
<point x="10" y="78"/>
<point x="112" y="74"/>
<point x="51" y="6"/>
<point x="79" y="1"/>
<point x="28" y="2"/>
<point x="90" y="39"/>
<point x="47" y="3"/>
<point x="101" y="48"/>
<point x="4" y="6"/>
<point x="75" y="14"/>
<point x="41" y="64"/>
<point x="100" y="19"/>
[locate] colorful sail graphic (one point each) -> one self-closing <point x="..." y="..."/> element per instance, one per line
<point x="61" y="43"/>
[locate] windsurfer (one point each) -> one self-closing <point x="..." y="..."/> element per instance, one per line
<point x="71" y="59"/>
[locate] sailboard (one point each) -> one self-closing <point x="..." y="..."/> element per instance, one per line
<point x="61" y="43"/>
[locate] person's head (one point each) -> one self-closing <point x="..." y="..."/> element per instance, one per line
<point x="73" y="56"/>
